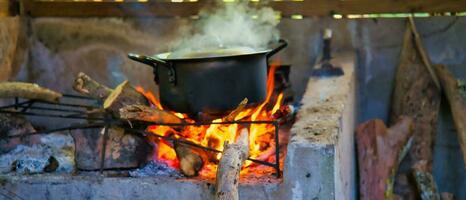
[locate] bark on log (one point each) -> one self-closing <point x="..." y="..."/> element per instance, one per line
<point x="455" y="90"/>
<point x="425" y="184"/>
<point x="147" y="114"/>
<point x="191" y="160"/>
<point x="28" y="91"/>
<point x="229" y="167"/>
<point x="91" y="88"/>
<point x="123" y="95"/>
<point x="379" y="152"/>
<point x="415" y="95"/>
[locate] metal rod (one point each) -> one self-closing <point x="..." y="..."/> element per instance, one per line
<point x="51" y="109"/>
<point x="50" y="115"/>
<point x="275" y="165"/>
<point x="13" y="105"/>
<point x="277" y="149"/>
<point x="79" y="126"/>
<point x="77" y="97"/>
<point x="68" y="104"/>
<point x="16" y="103"/>
<point x="210" y="123"/>
<point x="25" y="108"/>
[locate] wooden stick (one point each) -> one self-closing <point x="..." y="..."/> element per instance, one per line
<point x="28" y="91"/>
<point x="229" y="167"/>
<point x="236" y="111"/>
<point x="147" y="114"/>
<point x="191" y="161"/>
<point x="379" y="150"/>
<point x="91" y="88"/>
<point x="456" y="96"/>
<point x="123" y="95"/>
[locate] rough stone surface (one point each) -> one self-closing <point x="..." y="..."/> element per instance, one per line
<point x="98" y="188"/>
<point x="53" y="153"/>
<point x="320" y="162"/>
<point x="123" y="150"/>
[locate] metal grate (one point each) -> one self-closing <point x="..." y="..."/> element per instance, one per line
<point x="66" y="110"/>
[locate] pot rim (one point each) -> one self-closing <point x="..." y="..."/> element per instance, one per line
<point x="164" y="56"/>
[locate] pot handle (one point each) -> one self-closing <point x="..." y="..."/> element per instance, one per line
<point x="153" y="62"/>
<point x="147" y="60"/>
<point x="281" y="44"/>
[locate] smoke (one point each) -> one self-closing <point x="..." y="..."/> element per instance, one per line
<point x="229" y="25"/>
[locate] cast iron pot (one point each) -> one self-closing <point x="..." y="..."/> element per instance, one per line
<point x="213" y="85"/>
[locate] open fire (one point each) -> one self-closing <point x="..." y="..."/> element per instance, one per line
<point x="261" y="136"/>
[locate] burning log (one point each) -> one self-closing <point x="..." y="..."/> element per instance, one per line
<point x="455" y="90"/>
<point x="191" y="161"/>
<point x="123" y="95"/>
<point x="231" y="117"/>
<point x="147" y="114"/>
<point x="28" y="91"/>
<point x="229" y="168"/>
<point x="379" y="152"/>
<point x="91" y="88"/>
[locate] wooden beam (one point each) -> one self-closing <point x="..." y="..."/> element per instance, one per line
<point x="186" y="9"/>
<point x="110" y="9"/>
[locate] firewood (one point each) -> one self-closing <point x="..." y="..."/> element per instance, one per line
<point x="191" y="161"/>
<point x="425" y="183"/>
<point x="415" y="95"/>
<point x="28" y="91"/>
<point x="455" y="90"/>
<point x="91" y="88"/>
<point x="229" y="167"/>
<point x="147" y="114"/>
<point x="123" y="95"/>
<point x="379" y="153"/>
<point x="231" y="117"/>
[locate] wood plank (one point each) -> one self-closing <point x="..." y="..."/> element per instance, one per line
<point x="186" y="9"/>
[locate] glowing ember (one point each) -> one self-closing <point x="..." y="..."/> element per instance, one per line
<point x="262" y="146"/>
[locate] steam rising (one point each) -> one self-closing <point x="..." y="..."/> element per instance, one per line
<point x="233" y="26"/>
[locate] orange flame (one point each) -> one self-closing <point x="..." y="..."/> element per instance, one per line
<point x="214" y="136"/>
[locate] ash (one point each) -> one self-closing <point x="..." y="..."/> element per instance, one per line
<point x="155" y="168"/>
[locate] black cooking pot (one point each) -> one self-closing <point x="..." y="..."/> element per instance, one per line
<point x="212" y="85"/>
